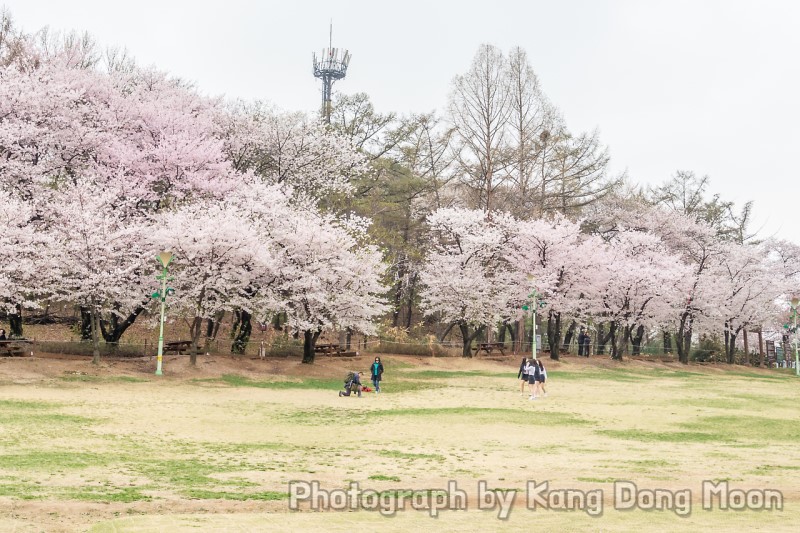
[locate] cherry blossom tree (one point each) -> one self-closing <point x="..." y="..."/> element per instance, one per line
<point x="560" y="263"/>
<point x="329" y="276"/>
<point x="218" y="257"/>
<point x="638" y="294"/>
<point x="98" y="253"/>
<point x="467" y="279"/>
<point x="20" y="262"/>
<point x="289" y="149"/>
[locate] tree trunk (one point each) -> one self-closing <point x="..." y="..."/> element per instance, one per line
<point x="309" y="342"/>
<point x="760" y="347"/>
<point x="730" y="343"/>
<point x="86" y="324"/>
<point x="95" y="337"/>
<point x="467" y="338"/>
<point x="113" y="328"/>
<point x="667" y="342"/>
<point x="616" y="354"/>
<point x="507" y="327"/>
<point x="554" y="334"/>
<point x="212" y="327"/>
<point x="746" y="344"/>
<point x="15" y="323"/>
<point x="569" y="334"/>
<point x="194" y="332"/>
<point x="410" y="300"/>
<point x="241" y="332"/>
<point x="446" y="331"/>
<point x="683" y="339"/>
<point x="636" y="340"/>
<point x="601" y="339"/>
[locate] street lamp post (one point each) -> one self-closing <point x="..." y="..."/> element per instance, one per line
<point x="533" y="298"/>
<point x="795" y="303"/>
<point x="164" y="258"/>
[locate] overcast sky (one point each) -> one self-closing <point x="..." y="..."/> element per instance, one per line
<point x="711" y="87"/>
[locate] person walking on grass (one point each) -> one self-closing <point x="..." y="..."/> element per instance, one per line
<point x="541" y="378"/>
<point x="522" y="375"/>
<point x="532" y="370"/>
<point x="377" y="374"/>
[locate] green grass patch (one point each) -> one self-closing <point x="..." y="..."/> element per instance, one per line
<point x="769" y="469"/>
<point x="305" y="383"/>
<point x="663" y="436"/>
<point x="106" y="494"/>
<point x="201" y="494"/>
<point x="449" y="374"/>
<point x="615" y="375"/>
<point x="406" y="494"/>
<point x="597" y="479"/>
<point x="16" y="405"/>
<point x="487" y="415"/>
<point x="381" y="477"/>
<point x="761" y="429"/>
<point x="396" y="454"/>
<point x="53" y="461"/>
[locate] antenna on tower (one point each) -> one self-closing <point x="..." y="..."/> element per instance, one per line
<point x="329" y="67"/>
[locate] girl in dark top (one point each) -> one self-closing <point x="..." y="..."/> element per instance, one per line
<point x="541" y="378"/>
<point x="523" y="376"/>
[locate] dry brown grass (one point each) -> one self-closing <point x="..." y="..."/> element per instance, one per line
<point x="659" y="425"/>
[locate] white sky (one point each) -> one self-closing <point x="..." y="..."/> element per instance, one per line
<point x="708" y="86"/>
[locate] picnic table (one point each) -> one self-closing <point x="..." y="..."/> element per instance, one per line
<point x="489" y="347"/>
<point x="177" y="346"/>
<point x="327" y="349"/>
<point x="333" y="349"/>
<point x="14" y="347"/>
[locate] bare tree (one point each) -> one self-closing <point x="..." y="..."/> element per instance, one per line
<point x="530" y="116"/>
<point x="579" y="175"/>
<point x="479" y="108"/>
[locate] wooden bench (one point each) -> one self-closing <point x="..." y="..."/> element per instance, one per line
<point x="14" y="347"/>
<point x="178" y="347"/>
<point x="327" y="349"/>
<point x="489" y="347"/>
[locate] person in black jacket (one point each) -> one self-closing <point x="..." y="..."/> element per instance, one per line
<point x="523" y="375"/>
<point x="377" y="374"/>
<point x="581" y="341"/>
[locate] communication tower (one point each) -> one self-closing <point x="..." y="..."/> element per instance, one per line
<point x="331" y="65"/>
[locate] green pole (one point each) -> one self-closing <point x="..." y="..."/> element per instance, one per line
<point x="533" y="348"/>
<point x="796" y="359"/>
<point x="161" y="321"/>
<point x="164" y="258"/>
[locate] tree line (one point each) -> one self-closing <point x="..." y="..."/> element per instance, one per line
<point x="443" y="222"/>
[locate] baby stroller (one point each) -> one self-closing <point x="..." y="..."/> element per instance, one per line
<point x="352" y="383"/>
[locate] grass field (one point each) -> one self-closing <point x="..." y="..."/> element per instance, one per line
<point x="215" y="448"/>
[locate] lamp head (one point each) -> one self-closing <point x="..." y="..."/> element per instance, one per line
<point x="164" y="258"/>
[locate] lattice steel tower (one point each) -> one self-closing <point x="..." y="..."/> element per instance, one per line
<point x="330" y="66"/>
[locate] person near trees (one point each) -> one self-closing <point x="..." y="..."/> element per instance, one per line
<point x="522" y="375"/>
<point x="542" y="377"/>
<point x="586" y="344"/>
<point x="581" y="338"/>
<point x="533" y="372"/>
<point x="377" y="374"/>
